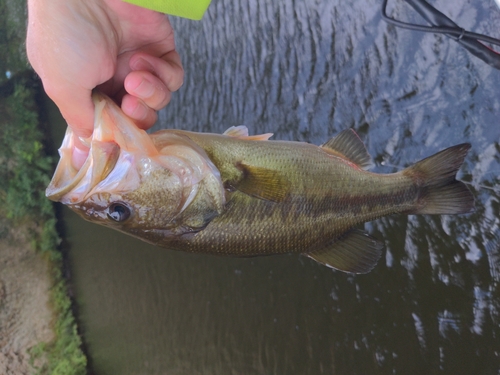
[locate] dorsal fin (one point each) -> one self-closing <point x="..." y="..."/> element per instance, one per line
<point x="237" y="131"/>
<point x="241" y="132"/>
<point x="348" y="145"/>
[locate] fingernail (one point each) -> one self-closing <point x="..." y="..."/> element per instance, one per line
<point x="144" y="89"/>
<point x="78" y="157"/>
<point x="140" y="112"/>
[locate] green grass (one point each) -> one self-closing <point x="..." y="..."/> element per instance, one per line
<point x="12" y="35"/>
<point x="25" y="172"/>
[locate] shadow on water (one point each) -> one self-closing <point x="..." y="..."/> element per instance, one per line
<point x="307" y="70"/>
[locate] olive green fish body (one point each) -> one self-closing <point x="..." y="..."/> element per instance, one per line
<point x="318" y="197"/>
<point x="234" y="194"/>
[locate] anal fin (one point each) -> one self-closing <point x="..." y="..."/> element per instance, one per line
<point x="355" y="252"/>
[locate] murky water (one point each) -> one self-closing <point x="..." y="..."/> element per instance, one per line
<point x="306" y="70"/>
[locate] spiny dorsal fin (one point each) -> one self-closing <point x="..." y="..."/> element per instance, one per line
<point x="355" y="252"/>
<point x="262" y="183"/>
<point x="348" y="145"/>
<point x="241" y="132"/>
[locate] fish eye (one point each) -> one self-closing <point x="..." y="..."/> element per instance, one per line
<point x="118" y="212"/>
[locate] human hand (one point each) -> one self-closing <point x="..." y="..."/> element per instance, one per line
<point x="126" y="51"/>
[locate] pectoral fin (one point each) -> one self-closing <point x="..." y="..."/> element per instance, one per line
<point x="355" y="252"/>
<point x="262" y="183"/>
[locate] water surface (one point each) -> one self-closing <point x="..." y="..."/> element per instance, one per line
<point x="306" y="70"/>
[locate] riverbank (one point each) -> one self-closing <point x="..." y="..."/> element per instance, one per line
<point x="38" y="333"/>
<point x="25" y="314"/>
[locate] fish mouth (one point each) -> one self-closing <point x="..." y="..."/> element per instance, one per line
<point x="70" y="185"/>
<point x="122" y="157"/>
<point x="113" y="134"/>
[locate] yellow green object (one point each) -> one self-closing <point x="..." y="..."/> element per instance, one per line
<point x="192" y="9"/>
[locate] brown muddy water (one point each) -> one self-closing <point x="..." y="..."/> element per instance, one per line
<point x="306" y="70"/>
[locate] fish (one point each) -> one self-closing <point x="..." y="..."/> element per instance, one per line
<point x="245" y="195"/>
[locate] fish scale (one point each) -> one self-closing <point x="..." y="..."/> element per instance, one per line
<point x="296" y="226"/>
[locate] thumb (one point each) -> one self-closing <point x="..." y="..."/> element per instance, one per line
<point x="77" y="109"/>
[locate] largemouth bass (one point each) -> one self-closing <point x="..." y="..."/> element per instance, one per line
<point x="234" y="194"/>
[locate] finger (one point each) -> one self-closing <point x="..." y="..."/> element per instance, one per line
<point x="150" y="89"/>
<point x="168" y="68"/>
<point x="143" y="115"/>
<point x="76" y="107"/>
<point x="79" y="155"/>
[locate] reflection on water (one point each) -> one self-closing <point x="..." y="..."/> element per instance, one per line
<point x="306" y="70"/>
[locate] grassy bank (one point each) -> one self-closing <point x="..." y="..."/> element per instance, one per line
<point x="25" y="171"/>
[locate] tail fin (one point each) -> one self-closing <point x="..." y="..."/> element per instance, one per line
<point x="440" y="192"/>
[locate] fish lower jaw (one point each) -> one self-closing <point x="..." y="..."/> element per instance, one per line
<point x="90" y="214"/>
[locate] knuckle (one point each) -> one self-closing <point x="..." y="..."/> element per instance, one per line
<point x="52" y="90"/>
<point x="162" y="100"/>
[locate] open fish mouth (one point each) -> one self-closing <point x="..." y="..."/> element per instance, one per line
<point x="121" y="156"/>
<point x="70" y="185"/>
<point x="114" y="137"/>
